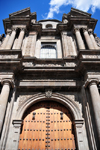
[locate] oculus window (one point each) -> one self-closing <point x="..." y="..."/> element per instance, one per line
<point x="48" y="50"/>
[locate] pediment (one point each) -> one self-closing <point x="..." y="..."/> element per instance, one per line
<point x="77" y="14"/>
<point x="22" y="13"/>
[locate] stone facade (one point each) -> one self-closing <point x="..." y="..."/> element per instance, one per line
<point x="72" y="78"/>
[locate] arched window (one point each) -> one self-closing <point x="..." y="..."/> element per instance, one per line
<point x="48" y="51"/>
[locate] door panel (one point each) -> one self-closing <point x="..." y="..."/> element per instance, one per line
<point x="47" y="126"/>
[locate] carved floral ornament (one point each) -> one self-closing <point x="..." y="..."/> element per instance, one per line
<point x="48" y="93"/>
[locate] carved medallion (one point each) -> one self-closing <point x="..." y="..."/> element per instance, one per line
<point x="48" y="93"/>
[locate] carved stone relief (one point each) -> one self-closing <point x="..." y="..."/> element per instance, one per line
<point x="48" y="93"/>
<point x="22" y="98"/>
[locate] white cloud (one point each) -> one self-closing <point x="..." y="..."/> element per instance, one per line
<point x="84" y="5"/>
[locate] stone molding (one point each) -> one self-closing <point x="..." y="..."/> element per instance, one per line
<point x="78" y="123"/>
<point x="33" y="33"/>
<point x="17" y="123"/>
<point x="91" y="81"/>
<point x="70" y="104"/>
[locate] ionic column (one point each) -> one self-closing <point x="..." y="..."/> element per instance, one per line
<point x="20" y="38"/>
<point x="88" y="39"/>
<point x="5" y="40"/>
<point x="3" y="100"/>
<point x="79" y="39"/>
<point x="95" y="97"/>
<point x="93" y="40"/>
<point x="11" y="39"/>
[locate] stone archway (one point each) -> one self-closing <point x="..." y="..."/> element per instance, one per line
<point x="68" y="103"/>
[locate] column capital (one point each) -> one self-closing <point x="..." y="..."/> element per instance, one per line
<point x="90" y="31"/>
<point x="91" y="81"/>
<point x="8" y="31"/>
<point x="76" y="29"/>
<point x="84" y="29"/>
<point x="22" y="28"/>
<point x="14" y="28"/>
<point x="33" y="33"/>
<point x="64" y="33"/>
<point x="8" y="81"/>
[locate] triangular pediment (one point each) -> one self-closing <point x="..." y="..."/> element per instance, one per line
<point x="22" y="13"/>
<point x="76" y="12"/>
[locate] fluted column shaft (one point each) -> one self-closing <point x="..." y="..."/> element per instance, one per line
<point x="5" y="41"/>
<point x="93" y="41"/>
<point x="11" y="40"/>
<point x="3" y="101"/>
<point x="20" y="39"/>
<point x="95" y="97"/>
<point x="88" y="39"/>
<point x="79" y="39"/>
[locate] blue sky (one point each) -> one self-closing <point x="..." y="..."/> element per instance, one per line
<point x="52" y="9"/>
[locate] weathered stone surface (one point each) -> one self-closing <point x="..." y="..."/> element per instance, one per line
<point x="64" y="79"/>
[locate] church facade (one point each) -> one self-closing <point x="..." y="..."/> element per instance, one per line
<point x="50" y="77"/>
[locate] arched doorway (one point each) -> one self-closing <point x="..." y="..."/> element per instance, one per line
<point x="47" y="125"/>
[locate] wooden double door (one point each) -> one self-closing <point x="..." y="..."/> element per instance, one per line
<point x="47" y="125"/>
